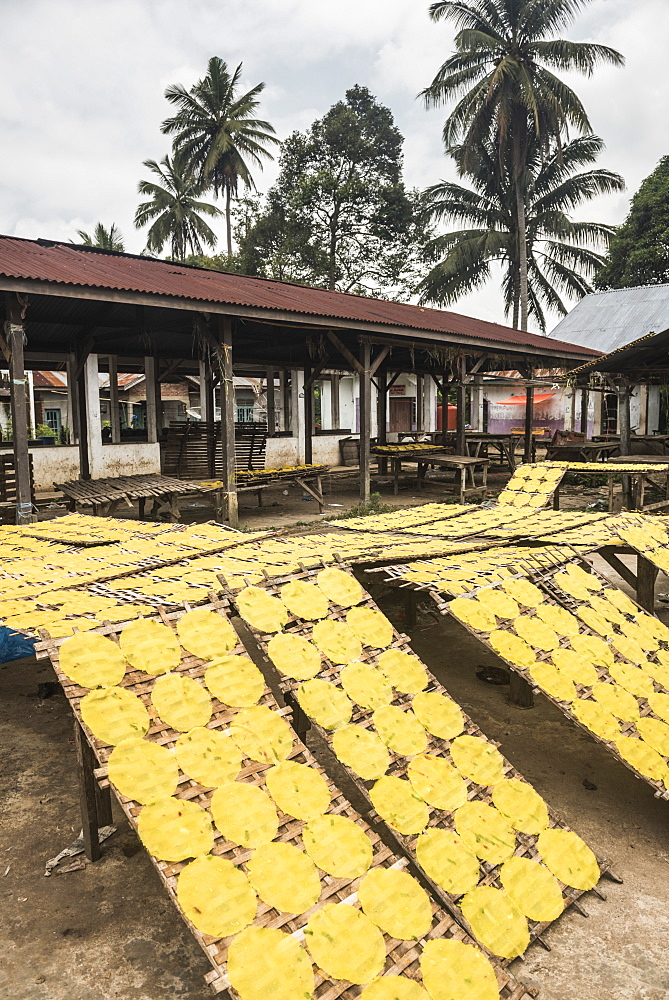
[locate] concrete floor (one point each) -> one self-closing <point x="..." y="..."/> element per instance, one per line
<point x="108" y="932"/>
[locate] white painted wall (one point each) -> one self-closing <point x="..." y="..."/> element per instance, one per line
<point x="54" y="465"/>
<point x="130" y="458"/>
<point x="284" y="451"/>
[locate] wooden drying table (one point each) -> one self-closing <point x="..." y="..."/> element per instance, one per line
<point x="581" y="451"/>
<point x="639" y="481"/>
<point x="466" y="466"/>
<point x="309" y="481"/>
<point x="105" y="495"/>
<point x="405" y="454"/>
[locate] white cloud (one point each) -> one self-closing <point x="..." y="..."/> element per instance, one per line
<point x="81" y="92"/>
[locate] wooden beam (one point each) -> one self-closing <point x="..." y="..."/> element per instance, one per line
<point x="392" y="381"/>
<point x="271" y="409"/>
<point x="151" y="387"/>
<point x="228" y="420"/>
<point x="625" y="431"/>
<point x="334" y="401"/>
<point x="529" y="420"/>
<point x="114" y="412"/>
<point x="419" y="402"/>
<point x="477" y="365"/>
<point x="171" y="368"/>
<point x="72" y="397"/>
<point x="284" y="401"/>
<point x="381" y="356"/>
<point x="646" y="575"/>
<point x="82" y="410"/>
<point x="365" y="421"/>
<point x="382" y="409"/>
<point x="314" y="373"/>
<point x="308" y="405"/>
<point x="344" y="351"/>
<point x="461" y="403"/>
<point x="584" y="410"/>
<point x="15" y="336"/>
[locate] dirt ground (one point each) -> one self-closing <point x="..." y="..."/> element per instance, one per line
<point x="109" y="932"/>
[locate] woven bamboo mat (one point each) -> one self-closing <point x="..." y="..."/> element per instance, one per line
<point x="556" y="596"/>
<point x="402" y="956"/>
<point x="526" y="845"/>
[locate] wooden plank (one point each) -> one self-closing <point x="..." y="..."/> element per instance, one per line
<point x="529" y="417"/>
<point x="271" y="409"/>
<point x="151" y="399"/>
<point x="334" y="401"/>
<point x="461" y="402"/>
<point x="365" y="421"/>
<point x="228" y="420"/>
<point x="14" y="335"/>
<point x="308" y="404"/>
<point x="114" y="413"/>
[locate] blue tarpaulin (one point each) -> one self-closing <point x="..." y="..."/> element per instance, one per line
<point x="14" y="646"/>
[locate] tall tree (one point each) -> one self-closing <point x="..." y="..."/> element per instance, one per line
<point x="561" y="254"/>
<point x="339" y="215"/>
<point x="217" y="131"/>
<point x="174" y="209"/>
<point x="106" y="239"/>
<point x="639" y="251"/>
<point x="501" y="77"/>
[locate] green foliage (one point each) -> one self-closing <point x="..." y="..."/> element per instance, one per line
<point x="173" y="209"/>
<point x="44" y="431"/>
<point x="506" y="92"/>
<point x="373" y="506"/>
<point x="639" y="251"/>
<point x="217" y="131"/>
<point x="106" y="239"/>
<point x="561" y="253"/>
<point x="339" y="215"/>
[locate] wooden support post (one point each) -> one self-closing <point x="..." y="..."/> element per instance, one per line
<point x="461" y="399"/>
<point x="151" y="386"/>
<point x="208" y="414"/>
<point x="528" y="450"/>
<point x="410" y="608"/>
<point x="419" y="402"/>
<point x="72" y="398"/>
<point x="271" y="412"/>
<point x="84" y="430"/>
<point x="114" y="412"/>
<point x="624" y="429"/>
<point x="308" y="404"/>
<point x="365" y="420"/>
<point x="520" y="692"/>
<point x="228" y="421"/>
<point x="646" y="575"/>
<point x="584" y="410"/>
<point x="14" y="337"/>
<point x="284" y="402"/>
<point x="334" y="402"/>
<point x="88" y="797"/>
<point x="382" y="408"/>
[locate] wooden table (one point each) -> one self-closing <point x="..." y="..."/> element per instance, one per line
<point x="464" y="464"/>
<point x="654" y="444"/>
<point x="397" y="457"/>
<point x="105" y="495"/>
<point x="634" y="483"/>
<point x="310" y="482"/>
<point x="581" y="451"/>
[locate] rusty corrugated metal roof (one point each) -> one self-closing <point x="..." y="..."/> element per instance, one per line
<point x="87" y="267"/>
<point x="49" y="380"/>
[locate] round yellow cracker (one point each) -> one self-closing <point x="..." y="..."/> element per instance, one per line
<point x="473" y="613"/>
<point x="569" y="858"/>
<point x="558" y="619"/>
<point x="485" y="831"/>
<point x="340" y="587"/>
<point x="206" y="634"/>
<point x="403" y="671"/>
<point x="150" y="646"/>
<point x="294" y="655"/>
<point x="437" y="782"/>
<point x="616" y="700"/>
<point x="304" y="600"/>
<point x="361" y="750"/>
<point x="512" y="648"/>
<point x="524" y="592"/>
<point x="655" y="733"/>
<point x="642" y="757"/>
<point x="496" y="600"/>
<point x="92" y="661"/>
<point x="114" y="714"/>
<point x="337" y="845"/>
<point x="532" y="888"/>
<point x="575" y="667"/>
<point x="394" y="988"/>
<point x="284" y="877"/>
<point x="337" y="641"/>
<point x="536" y="632"/>
<point x="632" y="679"/>
<point x="264" y="962"/>
<point x="553" y="681"/>
<point x="181" y="702"/>
<point x="396" y="903"/>
<point x="477" y="759"/>
<point x="298" y="789"/>
<point x="235" y="681"/>
<point x="365" y="685"/>
<point x="448" y="861"/>
<point x="397" y="803"/>
<point x="496" y="921"/>
<point x="400" y="731"/>
<point x="345" y="943"/>
<point x="262" y="611"/>
<point x="592" y="647"/>
<point x="596" y="718"/>
<point x="325" y="703"/>
<point x="216" y="896"/>
<point x="453" y="970"/>
<point x="521" y="805"/>
<point x="440" y="715"/>
<point x="262" y="735"/>
<point x="143" y="771"/>
<point x="175" y="829"/>
<point x="659" y="703"/>
<point x="370" y="626"/>
<point x="244" y="814"/>
<point x="208" y="756"/>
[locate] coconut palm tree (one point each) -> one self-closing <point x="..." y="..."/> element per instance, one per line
<point x="561" y="254"/>
<point x="174" y="209"/>
<point x="502" y="78"/>
<point x="216" y="130"/>
<point x="106" y="239"/>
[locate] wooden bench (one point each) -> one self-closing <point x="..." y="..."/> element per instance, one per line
<point x="466" y="466"/>
<point x="105" y="495"/>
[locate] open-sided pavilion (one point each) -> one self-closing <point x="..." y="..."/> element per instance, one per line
<point x="88" y="310"/>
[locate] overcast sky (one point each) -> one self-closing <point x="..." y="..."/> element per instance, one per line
<point x="82" y="83"/>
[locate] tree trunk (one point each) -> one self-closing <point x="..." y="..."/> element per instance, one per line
<point x="516" y="301"/>
<point x="228" y="222"/>
<point x="522" y="253"/>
